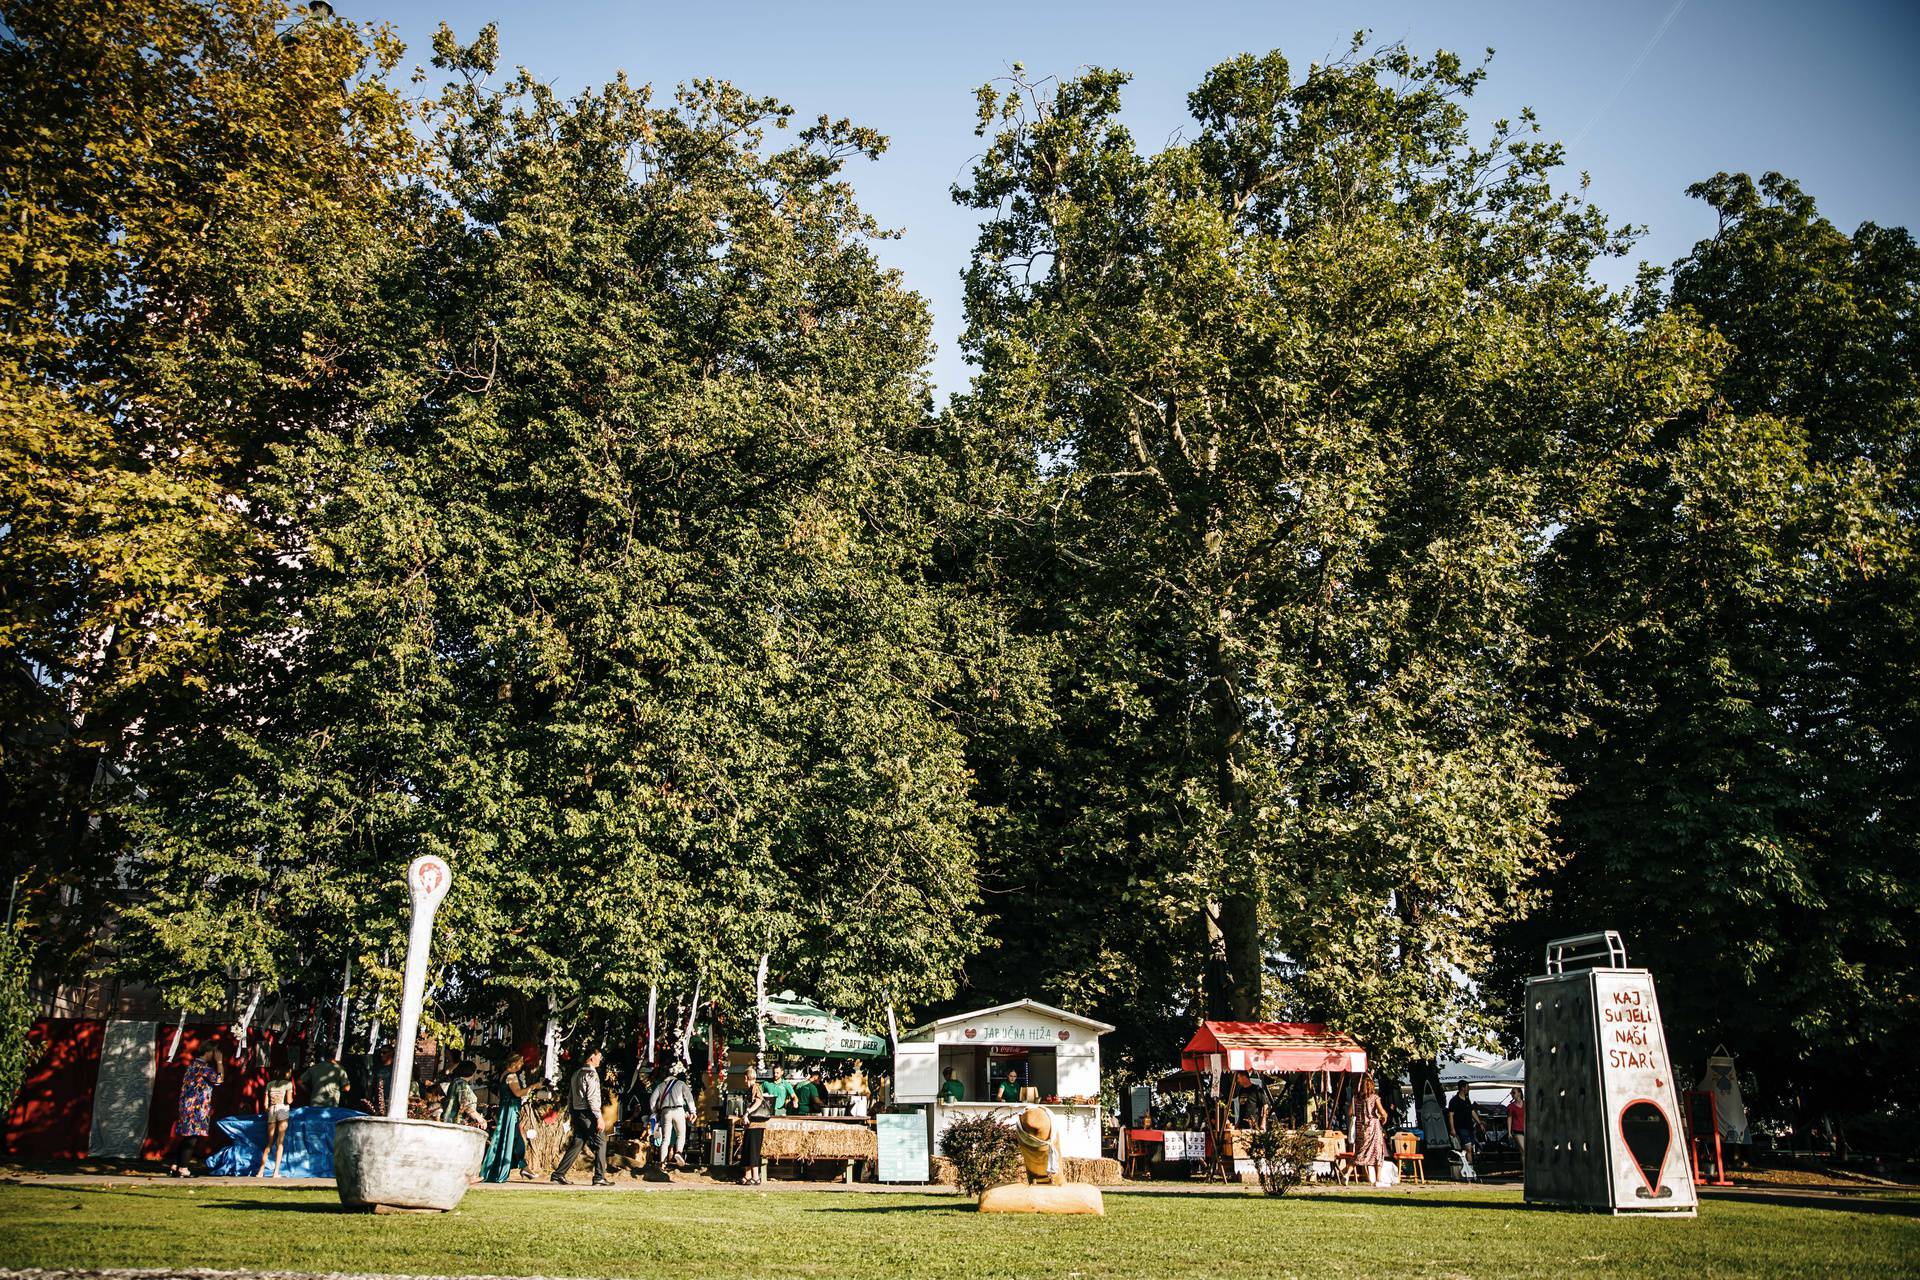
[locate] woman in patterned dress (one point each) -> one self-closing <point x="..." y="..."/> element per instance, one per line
<point x="205" y="1069"/>
<point x="1369" y="1131"/>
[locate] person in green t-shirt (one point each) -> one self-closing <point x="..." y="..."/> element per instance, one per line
<point x="951" y="1090"/>
<point x="1010" y="1088"/>
<point x="780" y="1089"/>
<point x="323" y="1083"/>
<point x="809" y="1096"/>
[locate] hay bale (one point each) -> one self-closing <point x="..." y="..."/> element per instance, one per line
<point x="1072" y="1197"/>
<point x="800" y="1139"/>
<point x="940" y="1169"/>
<point x="1099" y="1172"/>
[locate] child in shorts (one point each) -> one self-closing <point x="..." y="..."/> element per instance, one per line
<point x="279" y="1109"/>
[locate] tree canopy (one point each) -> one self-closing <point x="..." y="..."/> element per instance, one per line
<point x="1324" y="593"/>
<point x="1733" y="627"/>
<point x="1306" y="395"/>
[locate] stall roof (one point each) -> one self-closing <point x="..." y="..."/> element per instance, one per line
<point x="1492" y="1071"/>
<point x="1034" y="1006"/>
<point x="1272" y="1046"/>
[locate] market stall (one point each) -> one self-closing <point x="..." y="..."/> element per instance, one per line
<point x="1252" y="1074"/>
<point x="803" y="1036"/>
<point x="997" y="1061"/>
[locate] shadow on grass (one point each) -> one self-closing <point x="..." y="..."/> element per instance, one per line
<point x="1905" y="1208"/>
<point x="946" y="1206"/>
<point x="1833" y="1202"/>
<point x="284" y="1206"/>
<point x="95" y="1189"/>
<point x="1425" y="1201"/>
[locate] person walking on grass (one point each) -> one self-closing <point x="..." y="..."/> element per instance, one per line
<point x="672" y="1104"/>
<point x="583" y="1113"/>
<point x="1464" y="1124"/>
<point x="279" y="1114"/>
<point x="1369" y="1131"/>
<point x="506" y="1145"/>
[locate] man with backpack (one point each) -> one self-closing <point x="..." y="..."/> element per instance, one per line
<point x="672" y="1103"/>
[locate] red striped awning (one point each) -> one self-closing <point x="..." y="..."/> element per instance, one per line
<point x="1271" y="1046"/>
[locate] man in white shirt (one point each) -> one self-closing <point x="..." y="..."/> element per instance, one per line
<point x="583" y="1113"/>
<point x="672" y="1103"/>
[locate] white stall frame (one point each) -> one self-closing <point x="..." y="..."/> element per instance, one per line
<point x="1073" y="1040"/>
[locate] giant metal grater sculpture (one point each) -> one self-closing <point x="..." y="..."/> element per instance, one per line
<point x="1603" y="1113"/>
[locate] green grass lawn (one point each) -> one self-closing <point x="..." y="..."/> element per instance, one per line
<point x="709" y="1234"/>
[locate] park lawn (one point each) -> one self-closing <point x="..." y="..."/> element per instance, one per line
<point x="710" y="1234"/>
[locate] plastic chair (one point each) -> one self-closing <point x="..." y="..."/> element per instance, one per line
<point x="1406" y="1152"/>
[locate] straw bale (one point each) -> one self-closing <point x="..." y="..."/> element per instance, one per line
<point x="798" y="1139"/>
<point x="1100" y="1172"/>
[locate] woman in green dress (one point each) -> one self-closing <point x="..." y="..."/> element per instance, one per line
<point x="506" y="1147"/>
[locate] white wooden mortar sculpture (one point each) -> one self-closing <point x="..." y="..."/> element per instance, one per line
<point x="390" y="1163"/>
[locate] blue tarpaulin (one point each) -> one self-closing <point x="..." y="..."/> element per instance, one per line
<point x="309" y="1150"/>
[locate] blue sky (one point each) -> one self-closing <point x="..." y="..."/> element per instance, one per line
<point x="1824" y="92"/>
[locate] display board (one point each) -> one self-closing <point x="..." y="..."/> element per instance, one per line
<point x="124" y="1091"/>
<point x="1603" y="1114"/>
<point x="903" y="1146"/>
<point x="1178" y="1144"/>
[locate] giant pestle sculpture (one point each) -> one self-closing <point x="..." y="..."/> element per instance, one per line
<point x="391" y="1163"/>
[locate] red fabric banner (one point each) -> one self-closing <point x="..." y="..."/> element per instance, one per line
<point x="52" y="1117"/>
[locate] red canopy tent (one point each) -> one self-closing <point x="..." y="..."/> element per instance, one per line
<point x="1271" y="1047"/>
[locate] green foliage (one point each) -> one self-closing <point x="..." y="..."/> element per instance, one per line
<point x="553" y="484"/>
<point x="1301" y="399"/>
<point x="16" y="1013"/>
<point x="1282" y="1157"/>
<point x="1732" y="637"/>
<point x="190" y="193"/>
<point x="592" y="556"/>
<point x="985" y="1152"/>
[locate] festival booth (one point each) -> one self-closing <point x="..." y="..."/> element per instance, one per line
<point x="1051" y="1056"/>
<point x="1233" y="1068"/>
<point x="843" y="1130"/>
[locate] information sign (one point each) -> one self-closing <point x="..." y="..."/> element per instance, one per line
<point x="903" y="1146"/>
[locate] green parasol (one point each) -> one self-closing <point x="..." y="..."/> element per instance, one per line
<point x="795" y="1026"/>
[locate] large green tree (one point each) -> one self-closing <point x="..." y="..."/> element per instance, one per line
<point x="1303" y="397"/>
<point x="612" y="589"/>
<point x="1733" y="630"/>
<point x="187" y="194"/>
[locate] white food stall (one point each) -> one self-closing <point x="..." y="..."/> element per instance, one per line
<point x="1052" y="1055"/>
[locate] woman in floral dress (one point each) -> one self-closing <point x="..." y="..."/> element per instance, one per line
<point x="1369" y="1131"/>
<point x="204" y="1070"/>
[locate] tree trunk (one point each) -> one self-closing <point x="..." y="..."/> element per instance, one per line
<point x="1234" y="951"/>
